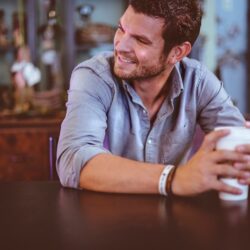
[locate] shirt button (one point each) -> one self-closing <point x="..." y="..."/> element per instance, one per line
<point x="144" y="112"/>
<point x="149" y="141"/>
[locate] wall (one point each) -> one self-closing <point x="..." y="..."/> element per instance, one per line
<point x="224" y="36"/>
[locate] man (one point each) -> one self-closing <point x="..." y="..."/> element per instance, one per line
<point x="144" y="101"/>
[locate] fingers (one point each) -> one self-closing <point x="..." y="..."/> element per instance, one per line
<point x="243" y="148"/>
<point x="231" y="164"/>
<point x="211" y="139"/>
<point x="244" y="181"/>
<point x="232" y="156"/>
<point x="247" y="124"/>
<point x="227" y="170"/>
<point x="223" y="187"/>
<point x="242" y="166"/>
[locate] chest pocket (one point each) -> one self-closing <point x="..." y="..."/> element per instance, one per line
<point x="176" y="145"/>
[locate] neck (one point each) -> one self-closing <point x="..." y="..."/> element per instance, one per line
<point x="152" y="90"/>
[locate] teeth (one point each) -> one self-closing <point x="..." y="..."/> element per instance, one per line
<point x="126" y="60"/>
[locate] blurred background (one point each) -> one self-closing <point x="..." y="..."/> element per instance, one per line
<point x="41" y="41"/>
<point x="223" y="46"/>
<point x="59" y="34"/>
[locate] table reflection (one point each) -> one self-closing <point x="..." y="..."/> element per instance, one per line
<point x="134" y="219"/>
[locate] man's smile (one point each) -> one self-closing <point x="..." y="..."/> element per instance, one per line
<point x="124" y="60"/>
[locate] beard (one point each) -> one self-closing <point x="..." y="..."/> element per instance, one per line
<point x="139" y="71"/>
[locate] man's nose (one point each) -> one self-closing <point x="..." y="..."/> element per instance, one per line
<point x="124" y="44"/>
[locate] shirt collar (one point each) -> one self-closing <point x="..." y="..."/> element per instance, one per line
<point x="130" y="90"/>
<point x="176" y="82"/>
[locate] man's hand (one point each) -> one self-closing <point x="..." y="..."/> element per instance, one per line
<point x="245" y="149"/>
<point x="201" y="173"/>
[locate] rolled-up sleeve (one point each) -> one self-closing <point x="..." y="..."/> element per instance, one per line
<point x="84" y="126"/>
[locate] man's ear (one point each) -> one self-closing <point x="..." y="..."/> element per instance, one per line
<point x="179" y="51"/>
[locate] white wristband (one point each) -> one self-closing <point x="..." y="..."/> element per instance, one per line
<point x="163" y="179"/>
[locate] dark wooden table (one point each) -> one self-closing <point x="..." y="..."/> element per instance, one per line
<point x="43" y="215"/>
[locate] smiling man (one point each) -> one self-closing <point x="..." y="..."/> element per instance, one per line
<point x="139" y="47"/>
<point x="131" y="115"/>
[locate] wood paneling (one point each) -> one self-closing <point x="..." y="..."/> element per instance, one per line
<point x="24" y="148"/>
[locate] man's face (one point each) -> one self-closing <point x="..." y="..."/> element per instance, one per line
<point x="139" y="46"/>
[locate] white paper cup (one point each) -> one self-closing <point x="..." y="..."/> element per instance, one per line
<point x="238" y="136"/>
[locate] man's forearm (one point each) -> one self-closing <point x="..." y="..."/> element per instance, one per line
<point x="109" y="173"/>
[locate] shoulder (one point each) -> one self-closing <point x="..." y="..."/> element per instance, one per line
<point x="194" y="66"/>
<point x="98" y="62"/>
<point x="199" y="72"/>
<point x="97" y="69"/>
<point x="98" y="66"/>
<point x="94" y="77"/>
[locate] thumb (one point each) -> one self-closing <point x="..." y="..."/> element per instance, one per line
<point x="212" y="138"/>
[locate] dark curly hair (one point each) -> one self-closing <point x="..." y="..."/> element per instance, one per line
<point x="182" y="18"/>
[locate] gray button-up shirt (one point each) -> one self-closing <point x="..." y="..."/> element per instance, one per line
<point x="105" y="115"/>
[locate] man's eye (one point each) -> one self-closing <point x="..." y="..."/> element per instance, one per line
<point x="119" y="27"/>
<point x="142" y="41"/>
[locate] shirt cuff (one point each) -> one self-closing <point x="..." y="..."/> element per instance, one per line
<point x="70" y="177"/>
